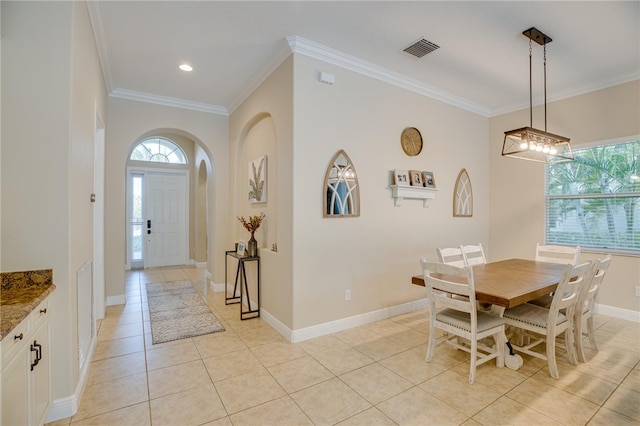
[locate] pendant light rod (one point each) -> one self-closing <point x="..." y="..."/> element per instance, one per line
<point x="545" y="86"/>
<point x="528" y="143"/>
<point x="530" y="90"/>
<point x="542" y="39"/>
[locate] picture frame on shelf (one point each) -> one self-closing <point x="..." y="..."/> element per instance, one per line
<point x="429" y="180"/>
<point x="240" y="248"/>
<point x="415" y="177"/>
<point x="401" y="178"/>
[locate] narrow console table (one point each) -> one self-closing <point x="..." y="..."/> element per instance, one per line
<point x="241" y="282"/>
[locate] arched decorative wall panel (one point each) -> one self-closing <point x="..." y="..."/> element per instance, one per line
<point x="463" y="196"/>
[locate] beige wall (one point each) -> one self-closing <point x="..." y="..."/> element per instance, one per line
<point x="262" y="125"/>
<point x="517" y="186"/>
<point x="376" y="254"/>
<point x="210" y="131"/>
<point x="51" y="84"/>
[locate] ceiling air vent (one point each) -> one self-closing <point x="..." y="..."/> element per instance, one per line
<point x="421" y="48"/>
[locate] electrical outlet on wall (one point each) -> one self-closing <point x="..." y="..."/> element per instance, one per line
<point x="347" y="295"/>
<point x="638" y="291"/>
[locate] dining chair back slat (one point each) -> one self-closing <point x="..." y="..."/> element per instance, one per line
<point x="451" y="256"/>
<point x="557" y="254"/>
<point x="473" y="254"/>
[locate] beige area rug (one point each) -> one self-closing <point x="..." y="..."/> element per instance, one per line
<point x="177" y="311"/>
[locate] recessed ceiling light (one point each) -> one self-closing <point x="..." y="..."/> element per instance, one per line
<point x="186" y="67"/>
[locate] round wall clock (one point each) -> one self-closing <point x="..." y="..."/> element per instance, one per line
<point x="411" y="141"/>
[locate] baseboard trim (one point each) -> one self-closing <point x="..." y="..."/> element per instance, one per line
<point x="610" y="311"/>
<point x="217" y="288"/>
<point x="119" y="299"/>
<point x="199" y="265"/>
<point x="63" y="408"/>
<point x="300" y="335"/>
<point x="276" y="324"/>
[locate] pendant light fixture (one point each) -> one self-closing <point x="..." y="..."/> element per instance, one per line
<point x="532" y="144"/>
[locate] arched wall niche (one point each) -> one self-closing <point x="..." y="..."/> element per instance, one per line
<point x="258" y="141"/>
<point x="201" y="231"/>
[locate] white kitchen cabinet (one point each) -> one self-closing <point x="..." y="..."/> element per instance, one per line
<point x="26" y="370"/>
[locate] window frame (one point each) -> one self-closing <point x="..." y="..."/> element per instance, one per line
<point x="591" y="243"/>
<point x="153" y="157"/>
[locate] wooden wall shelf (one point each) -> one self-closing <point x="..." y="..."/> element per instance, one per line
<point x="399" y="193"/>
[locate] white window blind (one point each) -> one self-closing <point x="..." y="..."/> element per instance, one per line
<point x="594" y="201"/>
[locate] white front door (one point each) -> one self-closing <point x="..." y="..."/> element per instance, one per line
<point x="166" y="218"/>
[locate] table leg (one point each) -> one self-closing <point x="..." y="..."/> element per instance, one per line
<point x="244" y="293"/>
<point x="511" y="359"/>
<point x="235" y="286"/>
<point x="246" y="288"/>
<point x="234" y="298"/>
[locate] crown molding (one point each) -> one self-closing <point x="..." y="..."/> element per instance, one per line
<point x="168" y="101"/>
<point x="576" y="91"/>
<point x="276" y="59"/>
<point x="314" y="50"/>
<point x="96" y="16"/>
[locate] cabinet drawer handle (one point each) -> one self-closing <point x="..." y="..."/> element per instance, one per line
<point x="43" y="311"/>
<point x="38" y="350"/>
<point x="34" y="348"/>
<point x="18" y="337"/>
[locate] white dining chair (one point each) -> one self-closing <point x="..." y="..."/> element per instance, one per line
<point x="557" y="254"/>
<point x="585" y="308"/>
<point x="459" y="317"/>
<point x="544" y="325"/>
<point x="451" y="256"/>
<point x="473" y="254"/>
<point x="554" y="254"/>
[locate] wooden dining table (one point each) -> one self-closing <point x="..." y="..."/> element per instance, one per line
<point x="512" y="282"/>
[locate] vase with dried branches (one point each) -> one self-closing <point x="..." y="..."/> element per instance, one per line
<point x="252" y="224"/>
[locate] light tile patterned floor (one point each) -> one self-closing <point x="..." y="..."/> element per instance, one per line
<point x="370" y="375"/>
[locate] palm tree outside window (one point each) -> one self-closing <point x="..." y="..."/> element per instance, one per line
<point x="594" y="201"/>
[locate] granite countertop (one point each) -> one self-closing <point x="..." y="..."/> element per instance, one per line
<point x="20" y="294"/>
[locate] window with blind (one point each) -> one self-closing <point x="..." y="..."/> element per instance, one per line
<point x="594" y="201"/>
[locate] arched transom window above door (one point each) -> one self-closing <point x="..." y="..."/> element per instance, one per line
<point x="158" y="150"/>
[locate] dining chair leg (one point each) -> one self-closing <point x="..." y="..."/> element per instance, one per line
<point x="551" y="357"/>
<point x="431" y="345"/>
<point x="579" y="339"/>
<point x="474" y="360"/>
<point x="571" y="343"/>
<point x="592" y="334"/>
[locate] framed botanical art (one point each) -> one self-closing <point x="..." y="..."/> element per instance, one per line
<point x="428" y="179"/>
<point x="258" y="180"/>
<point x="416" y="177"/>
<point x="401" y="178"/>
